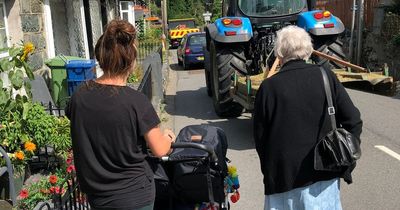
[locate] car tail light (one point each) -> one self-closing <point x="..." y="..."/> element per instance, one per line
<point x="318" y="15"/>
<point x="226" y="21"/>
<point x="187" y="51"/>
<point x="230" y="33"/>
<point x="329" y="25"/>
<point x="327" y="14"/>
<point x="237" y="22"/>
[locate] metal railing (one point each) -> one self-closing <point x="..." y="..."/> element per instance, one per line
<point x="53" y="109"/>
<point x="145" y="48"/>
<point x="72" y="199"/>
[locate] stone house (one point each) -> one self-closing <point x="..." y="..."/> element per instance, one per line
<point x="68" y="27"/>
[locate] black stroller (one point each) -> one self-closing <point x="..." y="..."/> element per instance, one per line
<point x="192" y="176"/>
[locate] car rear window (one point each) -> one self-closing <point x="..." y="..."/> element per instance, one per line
<point x="197" y="40"/>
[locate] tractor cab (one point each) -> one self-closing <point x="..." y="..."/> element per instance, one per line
<point x="271" y="8"/>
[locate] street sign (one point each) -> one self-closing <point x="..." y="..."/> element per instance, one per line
<point x="207" y="16"/>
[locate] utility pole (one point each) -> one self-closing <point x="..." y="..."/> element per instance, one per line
<point x="164" y="4"/>
<point x="353" y="20"/>
<point x="164" y="17"/>
<point x="360" y="30"/>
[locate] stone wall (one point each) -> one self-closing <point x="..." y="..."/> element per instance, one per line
<point x="379" y="48"/>
<point x="14" y="19"/>
<point x="75" y="29"/>
<point x="95" y="17"/>
<point x="33" y="30"/>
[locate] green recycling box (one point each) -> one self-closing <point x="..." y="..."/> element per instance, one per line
<point x="59" y="84"/>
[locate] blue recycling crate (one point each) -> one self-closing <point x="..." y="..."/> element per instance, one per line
<point x="79" y="71"/>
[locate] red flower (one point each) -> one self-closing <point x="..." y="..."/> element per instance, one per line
<point x="53" y="179"/>
<point x="24" y="193"/>
<point x="52" y="189"/>
<point x="69" y="161"/>
<point x="71" y="168"/>
<point x="57" y="190"/>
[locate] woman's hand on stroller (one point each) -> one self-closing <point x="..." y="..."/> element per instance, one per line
<point x="170" y="134"/>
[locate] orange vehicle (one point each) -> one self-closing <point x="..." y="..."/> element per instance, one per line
<point x="178" y="28"/>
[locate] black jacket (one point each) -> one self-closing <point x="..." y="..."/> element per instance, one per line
<point x="290" y="116"/>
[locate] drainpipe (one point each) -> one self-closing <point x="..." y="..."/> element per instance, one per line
<point x="353" y="20"/>
<point x="360" y="30"/>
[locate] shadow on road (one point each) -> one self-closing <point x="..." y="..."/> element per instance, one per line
<point x="239" y="132"/>
<point x="192" y="104"/>
<point x="176" y="67"/>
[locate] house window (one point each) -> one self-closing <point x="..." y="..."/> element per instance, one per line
<point x="126" y="11"/>
<point x="3" y="29"/>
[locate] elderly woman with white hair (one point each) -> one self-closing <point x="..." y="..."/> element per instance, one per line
<point x="289" y="119"/>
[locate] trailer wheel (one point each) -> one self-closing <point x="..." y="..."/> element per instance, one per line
<point x="223" y="62"/>
<point x="331" y="46"/>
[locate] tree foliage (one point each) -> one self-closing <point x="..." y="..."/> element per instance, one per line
<point x="192" y="9"/>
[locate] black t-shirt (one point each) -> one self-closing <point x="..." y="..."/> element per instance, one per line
<point x="108" y="124"/>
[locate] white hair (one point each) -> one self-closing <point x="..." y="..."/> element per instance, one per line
<point x="293" y="43"/>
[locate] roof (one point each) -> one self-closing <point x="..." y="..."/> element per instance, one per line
<point x="196" y="33"/>
<point x="153" y="18"/>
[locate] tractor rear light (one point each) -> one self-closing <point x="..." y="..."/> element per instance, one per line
<point x="318" y="15"/>
<point x="230" y="33"/>
<point x="187" y="51"/>
<point x="327" y="14"/>
<point x="329" y="25"/>
<point x="237" y="22"/>
<point x="226" y="21"/>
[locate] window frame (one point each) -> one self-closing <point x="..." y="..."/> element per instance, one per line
<point x="4" y="54"/>
<point x="130" y="11"/>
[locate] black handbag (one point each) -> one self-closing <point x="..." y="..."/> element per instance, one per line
<point x="338" y="149"/>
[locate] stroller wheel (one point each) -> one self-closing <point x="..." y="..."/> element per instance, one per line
<point x="226" y="207"/>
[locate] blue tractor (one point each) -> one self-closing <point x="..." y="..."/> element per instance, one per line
<point x="241" y="44"/>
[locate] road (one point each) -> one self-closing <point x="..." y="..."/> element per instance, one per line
<point x="376" y="178"/>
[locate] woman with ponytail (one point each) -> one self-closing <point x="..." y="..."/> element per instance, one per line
<point x="112" y="126"/>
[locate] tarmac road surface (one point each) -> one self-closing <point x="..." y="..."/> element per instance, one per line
<point x="376" y="178"/>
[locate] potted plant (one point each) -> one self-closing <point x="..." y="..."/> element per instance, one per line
<point x="14" y="107"/>
<point x="49" y="188"/>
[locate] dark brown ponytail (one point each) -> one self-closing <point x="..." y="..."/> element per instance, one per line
<point x="115" y="50"/>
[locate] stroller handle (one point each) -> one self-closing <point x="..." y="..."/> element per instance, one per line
<point x="208" y="149"/>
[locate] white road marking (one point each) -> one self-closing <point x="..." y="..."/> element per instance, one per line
<point x="388" y="151"/>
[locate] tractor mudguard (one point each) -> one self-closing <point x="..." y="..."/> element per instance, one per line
<point x="323" y="26"/>
<point x="230" y="33"/>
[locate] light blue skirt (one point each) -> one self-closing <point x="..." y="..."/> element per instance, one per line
<point x="323" y="195"/>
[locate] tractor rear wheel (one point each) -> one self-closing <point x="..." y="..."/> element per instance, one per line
<point x="207" y="71"/>
<point x="330" y="46"/>
<point x="224" y="60"/>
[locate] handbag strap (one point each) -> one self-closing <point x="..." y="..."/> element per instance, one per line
<point x="328" y="93"/>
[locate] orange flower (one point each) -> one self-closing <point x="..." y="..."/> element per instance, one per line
<point x="53" y="179"/>
<point x="23" y="194"/>
<point x="19" y="155"/>
<point x="29" y="146"/>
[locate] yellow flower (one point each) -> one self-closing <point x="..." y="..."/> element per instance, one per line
<point x="29" y="146"/>
<point x="19" y="155"/>
<point x="28" y="48"/>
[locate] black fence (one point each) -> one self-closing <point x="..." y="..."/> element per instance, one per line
<point x="53" y="109"/>
<point x="72" y="199"/>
